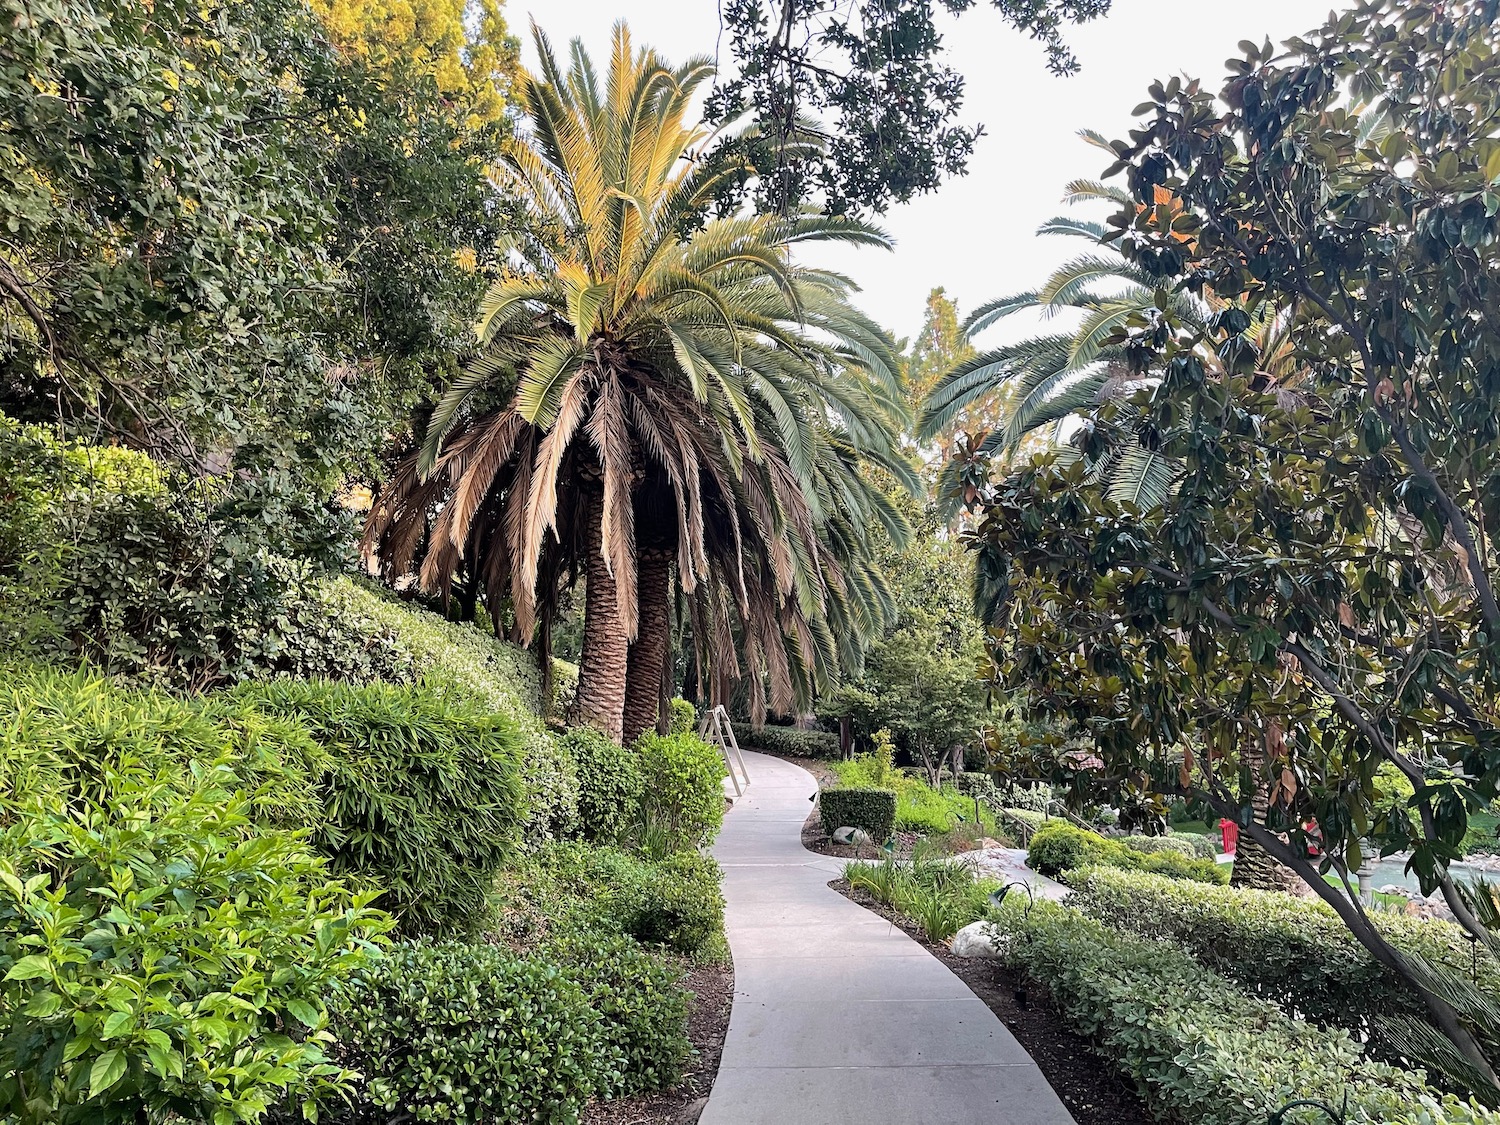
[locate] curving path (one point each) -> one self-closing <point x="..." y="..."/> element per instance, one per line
<point x="838" y="1016"/>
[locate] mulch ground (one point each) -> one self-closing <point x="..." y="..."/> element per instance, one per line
<point x="1089" y="1086"/>
<point x="712" y="987"/>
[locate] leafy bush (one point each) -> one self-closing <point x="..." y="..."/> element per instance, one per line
<point x="684" y="717"/>
<point x="457" y="1032"/>
<point x="609" y="783"/>
<point x="1150" y="845"/>
<point x="107" y="557"/>
<point x="683" y="786"/>
<point x="478" y="670"/>
<point x="940" y="896"/>
<point x="1059" y="846"/>
<point x="642" y="1006"/>
<point x="1198" y="1049"/>
<point x="873" y="810"/>
<point x="162" y="958"/>
<point x="419" y="795"/>
<point x="794" y="742"/>
<point x="568" y="887"/>
<point x="1290" y="951"/>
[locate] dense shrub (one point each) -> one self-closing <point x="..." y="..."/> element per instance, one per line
<point x="683" y="787"/>
<point x="684" y="717"/>
<point x="794" y="742"/>
<point x="609" y="783"/>
<point x="642" y="1006"/>
<point x="1059" y="846"/>
<point x="107" y="557"/>
<point x="1198" y="1049"/>
<point x="873" y="810"/>
<point x="568" y="887"/>
<point x="419" y="795"/>
<point x="1290" y="951"/>
<point x="1150" y="845"/>
<point x="479" y="671"/>
<point x="160" y="957"/>
<point x="458" y="1032"/>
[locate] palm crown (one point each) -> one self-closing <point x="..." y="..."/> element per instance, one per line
<point x="658" y="393"/>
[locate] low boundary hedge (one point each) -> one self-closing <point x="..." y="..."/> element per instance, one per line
<point x="873" y="810"/>
<point x="1196" y="1047"/>
<point x="794" y="742"/>
<point x="1290" y="951"/>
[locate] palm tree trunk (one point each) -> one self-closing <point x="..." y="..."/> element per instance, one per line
<point x="602" y="665"/>
<point x="648" y="656"/>
<point x="1253" y="865"/>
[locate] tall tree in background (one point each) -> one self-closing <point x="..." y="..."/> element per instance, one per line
<point x="1323" y="579"/>
<point x="652" y="408"/>
<point x="876" y="70"/>
<point x="228" y="243"/>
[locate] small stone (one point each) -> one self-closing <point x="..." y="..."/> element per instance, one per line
<point x="973" y="941"/>
<point x="1391" y="889"/>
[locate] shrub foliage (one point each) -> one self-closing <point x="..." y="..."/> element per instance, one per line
<point x="873" y="810"/>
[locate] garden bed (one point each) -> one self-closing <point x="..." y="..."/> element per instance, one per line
<point x="1089" y="1086"/>
<point x="712" y="986"/>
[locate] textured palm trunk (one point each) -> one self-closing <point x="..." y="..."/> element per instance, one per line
<point x="603" y="663"/>
<point x="644" y="684"/>
<point x="1253" y="865"/>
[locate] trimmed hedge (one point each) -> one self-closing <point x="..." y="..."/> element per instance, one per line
<point x="794" y="742"/>
<point x="873" y="810"/>
<point x="1290" y="951"/>
<point x="420" y="797"/>
<point x="1196" y="1047"/>
<point x="684" y="717"/>
<point x="1151" y="845"/>
<point x="1059" y="846"/>
<point x="609" y="784"/>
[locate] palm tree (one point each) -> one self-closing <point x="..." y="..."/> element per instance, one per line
<point x="1057" y="380"/>
<point x="657" y="399"/>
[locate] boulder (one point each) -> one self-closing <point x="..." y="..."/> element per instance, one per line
<point x="847" y="835"/>
<point x="973" y="941"/>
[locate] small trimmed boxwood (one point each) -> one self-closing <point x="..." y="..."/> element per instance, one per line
<point x="873" y="810"/>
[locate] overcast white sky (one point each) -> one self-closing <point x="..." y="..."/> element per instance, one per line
<point x="975" y="235"/>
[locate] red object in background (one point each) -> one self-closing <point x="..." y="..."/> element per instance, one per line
<point x="1230" y="831"/>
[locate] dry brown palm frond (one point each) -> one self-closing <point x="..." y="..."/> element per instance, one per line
<point x="541" y="501"/>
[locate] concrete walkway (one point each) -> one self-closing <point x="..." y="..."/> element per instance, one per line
<point x="838" y="1016"/>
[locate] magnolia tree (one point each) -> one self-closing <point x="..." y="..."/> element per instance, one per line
<point x="1316" y="599"/>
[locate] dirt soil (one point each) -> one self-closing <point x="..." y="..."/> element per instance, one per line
<point x="712" y="987"/>
<point x="1089" y="1086"/>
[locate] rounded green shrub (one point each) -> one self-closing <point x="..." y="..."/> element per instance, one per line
<point x="683" y="906"/>
<point x="684" y="717"/>
<point x="458" y="1032"/>
<point x="1150" y="845"/>
<point x="793" y="742"/>
<point x="683" y="792"/>
<point x="642" y="1006"/>
<point x="164" y="960"/>
<point x="609" y="783"/>
<point x="420" y="796"/>
<point x="1059" y="846"/>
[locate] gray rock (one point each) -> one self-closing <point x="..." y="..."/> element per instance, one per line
<point x="846" y="835"/>
<point x="1391" y="889"/>
<point x="973" y="941"/>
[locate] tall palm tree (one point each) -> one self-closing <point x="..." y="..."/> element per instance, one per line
<point x="657" y="399"/>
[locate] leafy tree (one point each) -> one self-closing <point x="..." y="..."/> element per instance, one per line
<point x="463" y="44"/>
<point x="877" y="69"/>
<point x="919" y="680"/>
<point x="1317" y="600"/>
<point x="227" y="243"/>
<point x="655" y="410"/>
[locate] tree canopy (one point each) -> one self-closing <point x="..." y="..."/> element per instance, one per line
<point x="1316" y="602"/>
